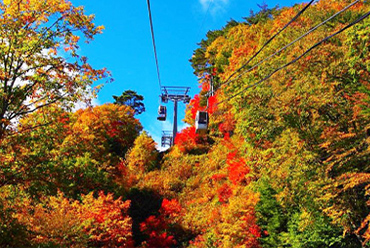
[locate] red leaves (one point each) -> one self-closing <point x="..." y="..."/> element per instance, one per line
<point x="157" y="227"/>
<point x="100" y="222"/>
<point x="228" y="124"/>
<point x="218" y="177"/>
<point x="151" y="224"/>
<point x="113" y="129"/>
<point x="162" y="240"/>
<point x="212" y="104"/>
<point x="224" y="193"/>
<point x="187" y="139"/>
<point x="253" y="231"/>
<point x="194" y="103"/>
<point x="111" y="225"/>
<point x="171" y="208"/>
<point x="237" y="168"/>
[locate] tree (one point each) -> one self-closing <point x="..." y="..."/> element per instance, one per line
<point x="58" y="221"/>
<point x="142" y="157"/>
<point x="73" y="152"/>
<point x="33" y="71"/>
<point x="106" y="131"/>
<point x="132" y="99"/>
<point x="263" y="15"/>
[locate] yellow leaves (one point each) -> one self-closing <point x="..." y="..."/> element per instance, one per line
<point x="366" y="233"/>
<point x="102" y="220"/>
<point x="347" y="135"/>
<point x="340" y="210"/>
<point x="325" y="144"/>
<point x="94" y="128"/>
<point x="7" y="2"/>
<point x="85" y="77"/>
<point x="142" y="154"/>
<point x="34" y="28"/>
<point x="352" y="180"/>
<point x="100" y="28"/>
<point x="306" y="220"/>
<point x="63" y="5"/>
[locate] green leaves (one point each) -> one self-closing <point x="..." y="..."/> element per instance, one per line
<point x="132" y="99"/>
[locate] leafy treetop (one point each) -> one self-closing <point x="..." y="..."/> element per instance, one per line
<point x="35" y="38"/>
<point x="132" y="99"/>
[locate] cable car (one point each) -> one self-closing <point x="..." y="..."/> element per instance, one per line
<point x="162" y="113"/>
<point x="201" y="122"/>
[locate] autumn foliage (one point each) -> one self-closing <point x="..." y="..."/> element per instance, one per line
<point x="282" y="163"/>
<point x="285" y="163"/>
<point x="101" y="221"/>
<point x="158" y="228"/>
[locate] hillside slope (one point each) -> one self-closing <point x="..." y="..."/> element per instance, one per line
<point x="285" y="163"/>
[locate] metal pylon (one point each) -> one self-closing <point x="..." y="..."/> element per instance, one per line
<point x="166" y="138"/>
<point x="175" y="94"/>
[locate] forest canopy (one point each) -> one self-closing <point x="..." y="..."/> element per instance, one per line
<point x="284" y="163"/>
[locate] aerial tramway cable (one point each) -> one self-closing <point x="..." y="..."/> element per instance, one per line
<point x="205" y="17"/>
<point x="269" y="41"/>
<point x="291" y="43"/>
<point x="299" y="57"/>
<point x="204" y="113"/>
<point x="162" y="110"/>
<point x="154" y="46"/>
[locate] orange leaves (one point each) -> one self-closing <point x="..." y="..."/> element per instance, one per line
<point x="306" y="128"/>
<point x="227" y="125"/>
<point x="218" y="177"/>
<point x="75" y="39"/>
<point x="224" y="193"/>
<point x="237" y="168"/>
<point x="101" y="221"/>
<point x="100" y="29"/>
<point x="99" y="125"/>
<point x="91" y="143"/>
<point x="205" y="86"/>
<point x="107" y="221"/>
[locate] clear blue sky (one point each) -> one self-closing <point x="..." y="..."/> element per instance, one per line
<point x="125" y="47"/>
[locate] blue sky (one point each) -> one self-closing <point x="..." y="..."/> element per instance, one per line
<point x="125" y="47"/>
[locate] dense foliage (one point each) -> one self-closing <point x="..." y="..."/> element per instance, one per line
<point x="283" y="164"/>
<point x="36" y="36"/>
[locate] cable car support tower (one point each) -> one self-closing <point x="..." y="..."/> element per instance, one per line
<point x="175" y="94"/>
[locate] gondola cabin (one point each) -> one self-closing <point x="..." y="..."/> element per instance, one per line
<point x="201" y="122"/>
<point x="162" y="113"/>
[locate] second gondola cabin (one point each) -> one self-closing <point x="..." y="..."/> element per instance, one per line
<point x="162" y="113"/>
<point x="201" y="122"/>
